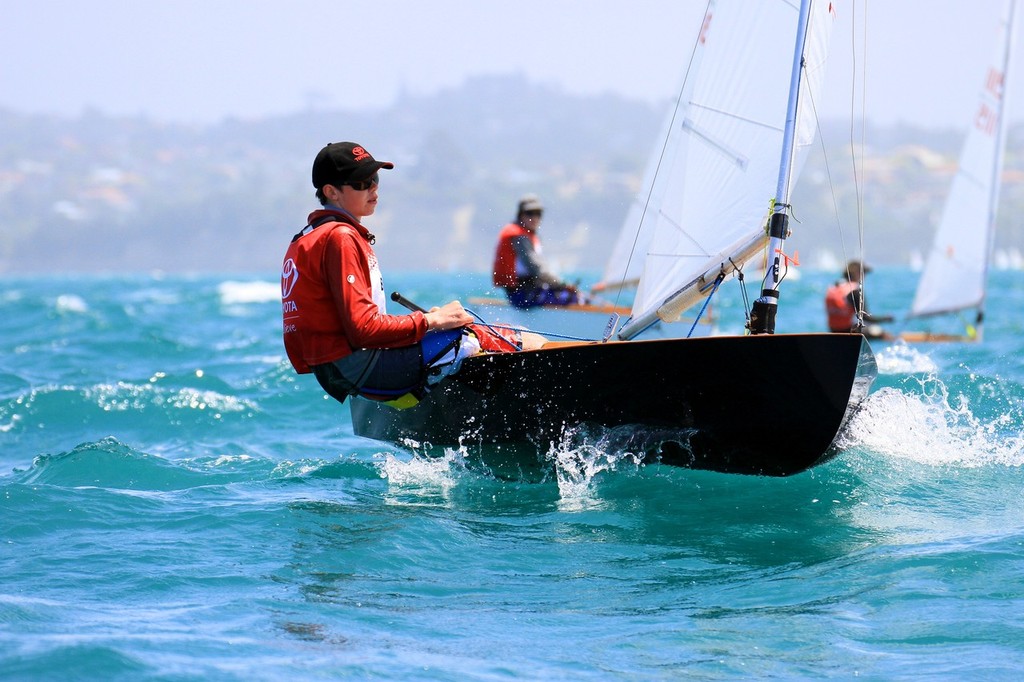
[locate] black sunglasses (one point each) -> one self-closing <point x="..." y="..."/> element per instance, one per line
<point x="363" y="185"/>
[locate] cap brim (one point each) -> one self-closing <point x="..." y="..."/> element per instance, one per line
<point x="369" y="169"/>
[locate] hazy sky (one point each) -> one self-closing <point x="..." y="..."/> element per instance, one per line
<point x="203" y="60"/>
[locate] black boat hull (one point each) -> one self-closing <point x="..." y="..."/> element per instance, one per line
<point x="712" y="399"/>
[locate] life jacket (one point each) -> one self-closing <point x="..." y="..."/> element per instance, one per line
<point x="839" y="307"/>
<point x="503" y="274"/>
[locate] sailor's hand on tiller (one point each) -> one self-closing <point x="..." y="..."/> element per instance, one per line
<point x="449" y="316"/>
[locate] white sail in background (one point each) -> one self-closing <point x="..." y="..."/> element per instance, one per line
<point x="956" y="267"/>
<point x="721" y="166"/>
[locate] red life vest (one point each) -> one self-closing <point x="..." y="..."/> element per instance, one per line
<point x="503" y="273"/>
<point x="839" y="307"/>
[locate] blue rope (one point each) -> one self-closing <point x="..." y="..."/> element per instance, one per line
<point x="494" y="327"/>
<point x="707" y="301"/>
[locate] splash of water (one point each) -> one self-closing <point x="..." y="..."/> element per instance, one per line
<point x="585" y="452"/>
<point x="421" y="471"/>
<point x="925" y="424"/>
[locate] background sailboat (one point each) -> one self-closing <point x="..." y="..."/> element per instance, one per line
<point x="956" y="268"/>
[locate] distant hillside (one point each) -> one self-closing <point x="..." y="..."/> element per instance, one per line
<point x="98" y="193"/>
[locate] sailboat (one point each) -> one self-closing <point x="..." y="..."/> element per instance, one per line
<point x="956" y="268"/>
<point x="747" y="119"/>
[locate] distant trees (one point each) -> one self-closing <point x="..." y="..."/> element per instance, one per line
<point x="101" y="193"/>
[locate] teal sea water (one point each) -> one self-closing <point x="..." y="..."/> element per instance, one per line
<point x="176" y="504"/>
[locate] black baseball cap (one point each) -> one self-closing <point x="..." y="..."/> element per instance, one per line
<point x="342" y="162"/>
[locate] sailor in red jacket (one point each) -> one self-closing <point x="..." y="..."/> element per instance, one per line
<point x="844" y="300"/>
<point x="519" y="268"/>
<point x="335" y="322"/>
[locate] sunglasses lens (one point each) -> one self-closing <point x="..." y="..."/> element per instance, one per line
<point x="365" y="184"/>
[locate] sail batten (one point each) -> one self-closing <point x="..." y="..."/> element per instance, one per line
<point x="740" y="160"/>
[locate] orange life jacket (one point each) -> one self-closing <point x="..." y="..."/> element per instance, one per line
<point x="839" y="307"/>
<point x="503" y="274"/>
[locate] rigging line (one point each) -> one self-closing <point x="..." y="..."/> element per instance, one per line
<point x="664" y="145"/>
<point x="856" y="165"/>
<point x="863" y="126"/>
<point x="707" y="300"/>
<point x="742" y="292"/>
<point x="494" y="327"/>
<point x="853" y="142"/>
<point x="765" y="254"/>
<point x="767" y="242"/>
<point x="831" y="185"/>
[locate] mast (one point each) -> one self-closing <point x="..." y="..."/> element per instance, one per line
<point x="762" y="313"/>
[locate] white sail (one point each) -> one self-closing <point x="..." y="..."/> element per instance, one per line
<point x="956" y="267"/>
<point x="720" y="171"/>
<point x="626" y="261"/>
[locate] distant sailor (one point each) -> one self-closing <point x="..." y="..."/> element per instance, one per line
<point x="333" y="303"/>
<point x="845" y="299"/>
<point x="519" y="268"/>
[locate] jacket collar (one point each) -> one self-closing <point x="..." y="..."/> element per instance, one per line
<point x="333" y="214"/>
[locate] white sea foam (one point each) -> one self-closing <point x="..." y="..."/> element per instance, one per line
<point x="930" y="428"/>
<point x="231" y="459"/>
<point x="193" y="399"/>
<point x="71" y="303"/>
<point x="4" y="428"/>
<point x="901" y="358"/>
<point x="233" y="293"/>
<point x="123" y="396"/>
